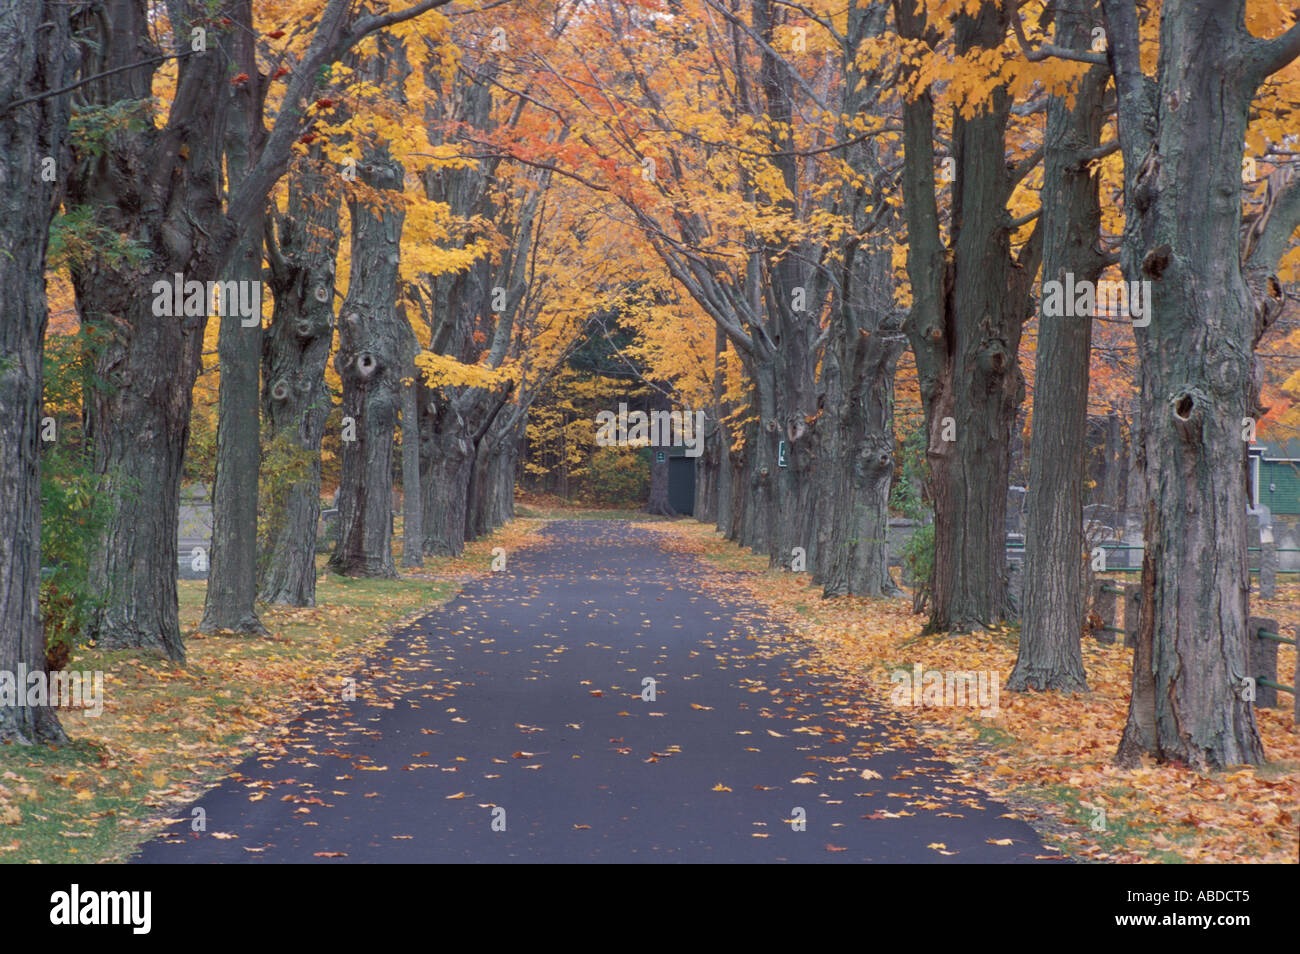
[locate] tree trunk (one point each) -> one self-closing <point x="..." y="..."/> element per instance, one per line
<point x="726" y="466"/>
<point x="160" y="187"/>
<point x="491" y="497"/>
<point x="232" y="576"/>
<point x="295" y="398"/>
<point x="1049" y="655"/>
<point x="860" y="462"/>
<point x="708" y="464"/>
<point x="1182" y="137"/>
<point x="412" y="505"/>
<point x="445" y="474"/>
<point x="34" y="39"/>
<point x="372" y="341"/>
<point x="965" y="330"/>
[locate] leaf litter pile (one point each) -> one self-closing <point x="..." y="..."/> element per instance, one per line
<point x="1050" y="755"/>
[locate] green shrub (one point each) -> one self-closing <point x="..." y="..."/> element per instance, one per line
<point x="73" y="513"/>
<point x="617" y="477"/>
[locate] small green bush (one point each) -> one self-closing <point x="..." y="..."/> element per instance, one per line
<point x="617" y="477"/>
<point x="73" y="513"/>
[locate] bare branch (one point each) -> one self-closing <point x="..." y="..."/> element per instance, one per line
<point x="1269" y="56"/>
<point x="1046" y="51"/>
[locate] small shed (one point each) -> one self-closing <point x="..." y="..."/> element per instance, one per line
<point x="681" y="481"/>
<point x="1275" y="477"/>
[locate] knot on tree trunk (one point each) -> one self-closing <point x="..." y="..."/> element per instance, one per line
<point x="1187" y="408"/>
<point x="367" y="365"/>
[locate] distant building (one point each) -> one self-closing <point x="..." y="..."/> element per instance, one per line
<point x="1275" y="477"/>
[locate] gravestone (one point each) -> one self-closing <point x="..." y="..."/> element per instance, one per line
<point x="1099" y="519"/>
<point x="900" y="531"/>
<point x="328" y="533"/>
<point x="194" y="535"/>
<point x="1016" y="509"/>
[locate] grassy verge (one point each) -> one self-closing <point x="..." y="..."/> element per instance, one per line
<point x="551" y="507"/>
<point x="1048" y="755"/>
<point x="167" y="733"/>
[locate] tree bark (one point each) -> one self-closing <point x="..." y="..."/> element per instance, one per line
<point x="1182" y="136"/>
<point x="372" y="340"/>
<point x="295" y="398"/>
<point x="1049" y="654"/>
<point x="161" y="187"/>
<point x="965" y="327"/>
<point x="412" y="505"/>
<point x="229" y="601"/>
<point x="34" y="42"/>
<point x="855" y="409"/>
<point x="447" y="449"/>
<point x="858" y="454"/>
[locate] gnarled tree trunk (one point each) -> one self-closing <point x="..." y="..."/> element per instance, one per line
<point x="1182" y="136"/>
<point x="295" y="397"/>
<point x="372" y="341"/>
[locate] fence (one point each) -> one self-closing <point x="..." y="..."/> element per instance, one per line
<point x="1105" y="599"/>
<point x="1267" y="572"/>
<point x="1263" y="636"/>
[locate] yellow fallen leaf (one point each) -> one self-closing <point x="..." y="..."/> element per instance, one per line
<point x="721" y="788"/>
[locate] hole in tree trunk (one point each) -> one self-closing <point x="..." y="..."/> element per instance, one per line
<point x="1184" y="407"/>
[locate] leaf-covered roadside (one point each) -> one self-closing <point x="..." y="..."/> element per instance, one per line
<point x="1049" y="755"/>
<point x="167" y="733"/>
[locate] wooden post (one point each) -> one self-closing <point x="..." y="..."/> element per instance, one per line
<point x="1132" y="604"/>
<point x="1262" y="656"/>
<point x="1103" y="604"/>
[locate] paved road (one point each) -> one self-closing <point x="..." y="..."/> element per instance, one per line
<point x="525" y="694"/>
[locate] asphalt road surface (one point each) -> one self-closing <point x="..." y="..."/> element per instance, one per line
<point x="515" y="724"/>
